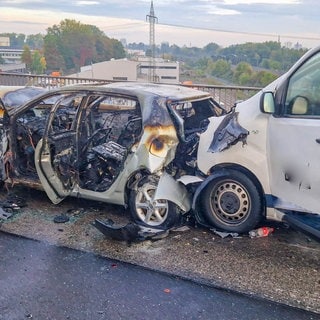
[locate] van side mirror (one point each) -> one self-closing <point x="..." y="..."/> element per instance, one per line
<point x="267" y="103"/>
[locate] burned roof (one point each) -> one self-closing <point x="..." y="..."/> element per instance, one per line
<point x="172" y="92"/>
<point x="13" y="96"/>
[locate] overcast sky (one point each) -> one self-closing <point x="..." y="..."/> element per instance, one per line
<point x="181" y="22"/>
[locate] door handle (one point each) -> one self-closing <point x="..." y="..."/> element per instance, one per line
<point x="318" y="140"/>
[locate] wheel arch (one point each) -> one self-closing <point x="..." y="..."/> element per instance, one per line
<point x="133" y="181"/>
<point x="215" y="172"/>
<point x="152" y="210"/>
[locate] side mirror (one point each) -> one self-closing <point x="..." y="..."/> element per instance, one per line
<point x="267" y="103"/>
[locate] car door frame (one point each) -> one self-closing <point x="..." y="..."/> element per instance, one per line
<point x="56" y="184"/>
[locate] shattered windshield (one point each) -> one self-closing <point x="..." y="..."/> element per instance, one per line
<point x="201" y="108"/>
<point x="192" y="116"/>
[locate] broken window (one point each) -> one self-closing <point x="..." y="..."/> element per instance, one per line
<point x="191" y="119"/>
<point x="109" y="127"/>
<point x="31" y="126"/>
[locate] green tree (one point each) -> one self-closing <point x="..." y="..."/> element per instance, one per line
<point x="271" y="64"/>
<point x="263" y="78"/>
<point x="71" y="45"/>
<point x="37" y="65"/>
<point x="211" y="49"/>
<point x="43" y="63"/>
<point x="26" y="56"/>
<point x="35" y="41"/>
<point x="117" y="49"/>
<point x="221" y="68"/>
<point x="243" y="73"/>
<point x="203" y="63"/>
<point x="52" y="48"/>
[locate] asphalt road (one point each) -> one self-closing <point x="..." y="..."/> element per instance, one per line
<point x="41" y="281"/>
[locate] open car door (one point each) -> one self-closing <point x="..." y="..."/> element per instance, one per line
<point x="56" y="152"/>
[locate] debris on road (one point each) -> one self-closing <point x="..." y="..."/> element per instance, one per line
<point x="129" y="232"/>
<point x="261" y="232"/>
<point x="62" y="218"/>
<point x="4" y="215"/>
<point x="10" y="204"/>
<point x="13" y="202"/>
<point x="225" y="234"/>
<point x="65" y="217"/>
<point x="181" y="229"/>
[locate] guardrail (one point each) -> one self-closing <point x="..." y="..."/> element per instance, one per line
<point x="225" y="95"/>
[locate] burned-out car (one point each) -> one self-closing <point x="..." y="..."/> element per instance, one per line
<point x="122" y="143"/>
<point x="262" y="159"/>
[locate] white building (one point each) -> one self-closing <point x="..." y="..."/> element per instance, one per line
<point x="13" y="67"/>
<point x="11" y="56"/>
<point x="164" y="71"/>
<point x="4" y="42"/>
<point x="132" y="70"/>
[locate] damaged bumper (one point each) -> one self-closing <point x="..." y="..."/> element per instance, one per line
<point x="174" y="191"/>
<point x="130" y="232"/>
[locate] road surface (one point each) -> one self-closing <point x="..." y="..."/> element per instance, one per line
<point x="43" y="281"/>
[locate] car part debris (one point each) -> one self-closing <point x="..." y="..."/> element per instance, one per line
<point x="181" y="229"/>
<point x="62" y="218"/>
<point x="4" y="215"/>
<point x="225" y="234"/>
<point x="75" y="211"/>
<point x="13" y="202"/>
<point x="129" y="232"/>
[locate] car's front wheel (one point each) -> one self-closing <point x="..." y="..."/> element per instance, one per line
<point x="232" y="202"/>
<point x="148" y="211"/>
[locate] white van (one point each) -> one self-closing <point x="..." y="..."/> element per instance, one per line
<point x="263" y="158"/>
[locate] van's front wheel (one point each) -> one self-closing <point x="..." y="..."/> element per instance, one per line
<point x="232" y="202"/>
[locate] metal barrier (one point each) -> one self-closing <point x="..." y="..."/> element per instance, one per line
<point x="225" y="95"/>
<point x="18" y="79"/>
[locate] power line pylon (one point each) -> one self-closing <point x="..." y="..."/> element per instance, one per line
<point x="152" y="20"/>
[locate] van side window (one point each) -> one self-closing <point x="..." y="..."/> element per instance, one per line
<point x="303" y="94"/>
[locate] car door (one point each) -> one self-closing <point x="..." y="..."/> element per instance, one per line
<point x="294" y="141"/>
<point x="56" y="153"/>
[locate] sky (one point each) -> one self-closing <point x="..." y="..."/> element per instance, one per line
<point x="181" y="22"/>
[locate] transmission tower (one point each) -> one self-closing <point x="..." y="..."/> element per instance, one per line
<point x="152" y="20"/>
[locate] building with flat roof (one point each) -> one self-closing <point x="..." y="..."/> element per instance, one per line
<point x="11" y="56"/>
<point x="132" y="70"/>
<point x="4" y="42"/>
<point x="13" y="67"/>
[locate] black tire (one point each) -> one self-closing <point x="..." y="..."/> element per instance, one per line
<point x="144" y="210"/>
<point x="232" y="202"/>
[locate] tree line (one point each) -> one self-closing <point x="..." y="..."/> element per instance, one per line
<point x="65" y="47"/>
<point x="70" y="45"/>
<point x="249" y="64"/>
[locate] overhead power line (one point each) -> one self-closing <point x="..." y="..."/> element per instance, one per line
<point x="142" y="23"/>
<point x="241" y="32"/>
